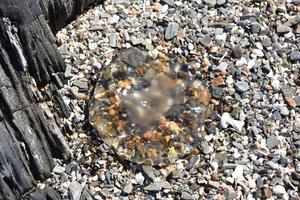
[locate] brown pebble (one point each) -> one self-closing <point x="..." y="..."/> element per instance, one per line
<point x="218" y="81"/>
<point x="152" y="153"/>
<point x="267" y="192"/>
<point x="291" y="102"/>
<point x="112" y="112"/>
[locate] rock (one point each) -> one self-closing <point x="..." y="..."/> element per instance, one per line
<point x="279" y="190"/>
<point x="238" y="172"/>
<point x="92" y="46"/>
<point x="237" y="51"/>
<point x="68" y="71"/>
<point x="186" y="196"/>
<point x="169" y="2"/>
<point x="221" y="2"/>
<point x="241" y="86"/>
<point x="171" y="30"/>
<point x="63" y="49"/>
<point x="217" y="92"/>
<point x="81" y="84"/>
<point x="58" y="169"/>
<point x="295" y="56"/>
<point x="255" y="28"/>
<point x="211" y="3"/>
<point x="114" y="19"/>
<point x="128" y="188"/>
<point x="272" y="141"/>
<point x="76" y="190"/>
<point x="284" y="110"/>
<point x="139" y="178"/>
<point x="282" y="29"/>
<point x="149" y="171"/>
<point x="157" y="186"/>
<point x="287" y="91"/>
<point x="227" y="120"/>
<point x="205" y="147"/>
<point x="297" y="100"/>
<point x="205" y="41"/>
<point x="113" y="40"/>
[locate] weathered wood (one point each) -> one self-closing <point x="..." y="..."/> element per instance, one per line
<point x="30" y="63"/>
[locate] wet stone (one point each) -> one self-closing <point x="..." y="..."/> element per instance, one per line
<point x="131" y="110"/>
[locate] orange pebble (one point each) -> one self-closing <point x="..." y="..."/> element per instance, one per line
<point x="152" y="153"/>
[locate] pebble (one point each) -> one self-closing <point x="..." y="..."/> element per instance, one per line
<point x="76" y="190"/>
<point x="295" y="56"/>
<point x="284" y="110"/>
<point x="241" y="86"/>
<point x="128" y="188"/>
<point x="186" y="196"/>
<point x="157" y="186"/>
<point x="279" y="190"/>
<point x="238" y="172"/>
<point x="282" y="29"/>
<point x="272" y="142"/>
<point x="237" y="51"/>
<point x="139" y="178"/>
<point x="113" y="40"/>
<point x="58" y="169"/>
<point x="227" y="120"/>
<point x="211" y="3"/>
<point x="171" y="30"/>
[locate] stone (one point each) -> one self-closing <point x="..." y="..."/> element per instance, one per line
<point x="284" y="110"/>
<point x="58" y="169"/>
<point x="76" y="189"/>
<point x="92" y="46"/>
<point x="128" y="188"/>
<point x="297" y="100"/>
<point x="282" y="29"/>
<point x="241" y="86"/>
<point x="227" y="120"/>
<point x="113" y="40"/>
<point x="157" y="186"/>
<point x="221" y="2"/>
<point x="114" y="19"/>
<point x="68" y="71"/>
<point x="238" y="172"/>
<point x="139" y="178"/>
<point x="272" y="141"/>
<point x="205" y="41"/>
<point x="171" y="30"/>
<point x="81" y="84"/>
<point x="255" y="28"/>
<point x="237" y="51"/>
<point x="211" y="3"/>
<point x="279" y="190"/>
<point x="186" y="196"/>
<point x="294" y="56"/>
<point x="169" y="2"/>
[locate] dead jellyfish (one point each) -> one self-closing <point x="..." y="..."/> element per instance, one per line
<point x="149" y="110"/>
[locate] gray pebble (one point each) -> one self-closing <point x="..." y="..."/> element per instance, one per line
<point x="272" y="142"/>
<point x="113" y="40"/>
<point x="211" y="3"/>
<point x="186" y="196"/>
<point x="75" y="189"/>
<point x="157" y="186"/>
<point x="221" y="2"/>
<point x="255" y="28"/>
<point x="81" y="84"/>
<point x="297" y="100"/>
<point x="171" y="30"/>
<point x="295" y="56"/>
<point x="205" y="41"/>
<point x="169" y="2"/>
<point x="242" y="86"/>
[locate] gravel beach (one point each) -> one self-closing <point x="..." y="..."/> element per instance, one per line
<point x="246" y="52"/>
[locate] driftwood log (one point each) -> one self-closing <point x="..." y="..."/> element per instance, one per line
<point x="31" y="71"/>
